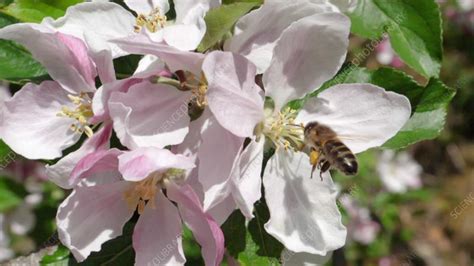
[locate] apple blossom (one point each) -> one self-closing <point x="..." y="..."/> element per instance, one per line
<point x="112" y="184"/>
<point x="399" y="172"/>
<point x="184" y="33"/>
<point x="361" y="227"/>
<point x="50" y="116"/>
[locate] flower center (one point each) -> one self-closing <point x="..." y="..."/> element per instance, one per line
<point x="152" y="22"/>
<point x="281" y="129"/>
<point x="197" y="86"/>
<point x="141" y="193"/>
<point x="81" y="113"/>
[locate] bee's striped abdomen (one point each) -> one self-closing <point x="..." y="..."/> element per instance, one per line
<point x="340" y="156"/>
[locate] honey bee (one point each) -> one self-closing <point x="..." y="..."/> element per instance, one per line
<point x="327" y="150"/>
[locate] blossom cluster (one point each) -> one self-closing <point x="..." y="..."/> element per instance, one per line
<point x="182" y="140"/>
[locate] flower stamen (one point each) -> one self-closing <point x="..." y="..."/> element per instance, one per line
<point x="142" y="193"/>
<point x="152" y="22"/>
<point x="281" y="129"/>
<point x="81" y="113"/>
<point x="198" y="87"/>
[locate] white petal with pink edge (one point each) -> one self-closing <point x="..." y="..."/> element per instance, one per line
<point x="96" y="23"/>
<point x="60" y="172"/>
<point x="206" y="231"/>
<point x="159" y="119"/>
<point x="137" y="164"/>
<point x="65" y="57"/>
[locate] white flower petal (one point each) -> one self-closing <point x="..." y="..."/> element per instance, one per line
<point x="157" y="236"/>
<point x="146" y="6"/>
<point x="174" y="58"/>
<point x="217" y="163"/>
<point x="233" y="97"/>
<point x="97" y="23"/>
<point x="363" y="115"/>
<point x="246" y="188"/>
<point x="296" y="70"/>
<point x="31" y="126"/>
<point x="90" y="216"/>
<point x="303" y="211"/>
<point x="290" y="258"/>
<point x="256" y="37"/>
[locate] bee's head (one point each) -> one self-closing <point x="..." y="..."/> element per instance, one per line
<point x="310" y="129"/>
<point x="311" y="134"/>
<point x="317" y="133"/>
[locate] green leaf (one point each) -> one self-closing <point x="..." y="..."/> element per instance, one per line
<point x="219" y="22"/>
<point x="17" y="64"/>
<point x="429" y="104"/>
<point x="240" y="243"/>
<point x="11" y="194"/>
<point x="414" y="28"/>
<point x="428" y="118"/>
<point x="5" y="154"/>
<point x="58" y="258"/>
<point x="36" y="10"/>
<point x="267" y="245"/>
<point x="235" y="233"/>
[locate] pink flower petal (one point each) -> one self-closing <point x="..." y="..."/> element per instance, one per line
<point x="95" y="23"/>
<point x="205" y="230"/>
<point x="234" y="98"/>
<point x="100" y="102"/>
<point x="65" y="57"/>
<point x="137" y="164"/>
<point x="159" y="119"/>
<point x="59" y="173"/>
<point x="98" y="167"/>
<point x="174" y="58"/>
<point x="157" y="238"/>
<point x="90" y="216"/>
<point x="31" y="126"/>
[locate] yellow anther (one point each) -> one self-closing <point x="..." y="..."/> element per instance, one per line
<point x="81" y="113"/>
<point x="283" y="132"/>
<point x="143" y="193"/>
<point x="152" y="22"/>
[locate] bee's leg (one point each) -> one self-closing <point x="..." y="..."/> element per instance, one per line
<point x="324" y="168"/>
<point x="314" y="159"/>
